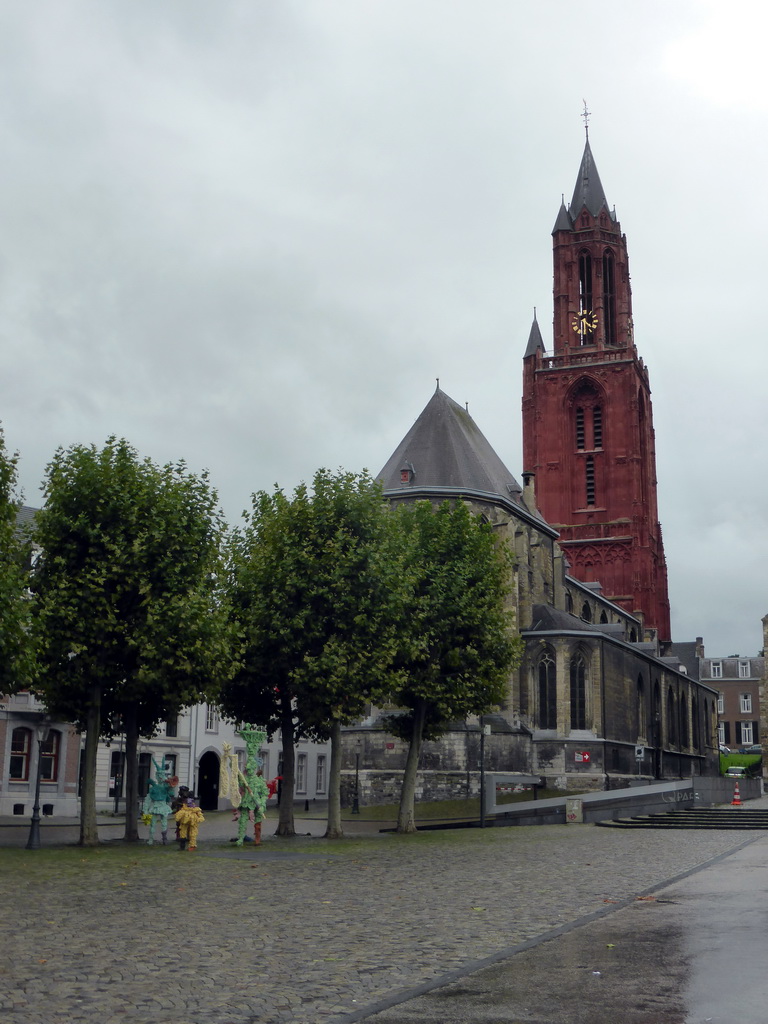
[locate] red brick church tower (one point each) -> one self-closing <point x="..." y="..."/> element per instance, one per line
<point x="587" y="419"/>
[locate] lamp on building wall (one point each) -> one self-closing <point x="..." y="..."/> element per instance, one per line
<point x="42" y="729"/>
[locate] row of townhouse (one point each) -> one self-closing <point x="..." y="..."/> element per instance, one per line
<point x="193" y="744"/>
<point x="738" y="681"/>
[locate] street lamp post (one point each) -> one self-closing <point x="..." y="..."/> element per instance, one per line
<point x="356" y="801"/>
<point x="485" y="730"/>
<point x="42" y="729"/>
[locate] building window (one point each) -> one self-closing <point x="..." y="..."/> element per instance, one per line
<point x="745" y="703"/>
<point x="264" y="758"/>
<point x="609" y="298"/>
<point x="301" y="773"/>
<point x="578" y="692"/>
<point x="641" y="715"/>
<point x="721" y="734"/>
<point x="145" y="767"/>
<point x="695" y="733"/>
<point x="320" y="782"/>
<point x="21" y="741"/>
<point x="49" y="757"/>
<point x="116" y="761"/>
<point x="580" y="429"/>
<point x="586" y="612"/>
<point x="172" y="726"/>
<point x="716" y="670"/>
<point x="743" y="670"/>
<point x="585" y="288"/>
<point x="547" y="692"/>
<point x="590" y="479"/>
<point x="597" y="427"/>
<point x="170" y="764"/>
<point x="683" y="709"/>
<point x="211" y="719"/>
<point x="671" y="720"/>
<point x="747" y="734"/>
<point x="720" y="703"/>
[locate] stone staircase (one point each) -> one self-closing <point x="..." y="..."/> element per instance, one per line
<point x="712" y="817"/>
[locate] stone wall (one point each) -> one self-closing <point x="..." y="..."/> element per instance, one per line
<point x="383" y="787"/>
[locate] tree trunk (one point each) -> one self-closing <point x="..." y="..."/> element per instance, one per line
<point x="406" y="818"/>
<point x="333" y="829"/>
<point x="285" y="825"/>
<point x="89" y="832"/>
<point x="131" y="726"/>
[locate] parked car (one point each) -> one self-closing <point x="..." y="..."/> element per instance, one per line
<point x="724" y="749"/>
<point x="756" y="748"/>
<point x="736" y="771"/>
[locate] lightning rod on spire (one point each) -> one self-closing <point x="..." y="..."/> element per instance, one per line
<point x="586" y="114"/>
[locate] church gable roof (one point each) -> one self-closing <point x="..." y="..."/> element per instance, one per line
<point x="446" y="448"/>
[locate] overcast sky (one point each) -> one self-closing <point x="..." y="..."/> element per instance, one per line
<point x="251" y="235"/>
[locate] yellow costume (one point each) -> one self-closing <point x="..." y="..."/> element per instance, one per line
<point x="189" y="819"/>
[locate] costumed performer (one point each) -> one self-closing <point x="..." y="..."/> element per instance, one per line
<point x="157" y="802"/>
<point x="189" y="818"/>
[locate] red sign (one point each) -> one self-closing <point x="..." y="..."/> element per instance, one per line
<point x="582" y="756"/>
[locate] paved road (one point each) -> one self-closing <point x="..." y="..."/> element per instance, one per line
<point x="305" y="930"/>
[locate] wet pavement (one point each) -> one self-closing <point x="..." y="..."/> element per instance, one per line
<point x="438" y="926"/>
<point x="691" y="953"/>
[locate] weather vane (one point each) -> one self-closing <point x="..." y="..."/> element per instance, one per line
<point x="585" y="115"/>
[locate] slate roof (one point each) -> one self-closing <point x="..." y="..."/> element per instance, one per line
<point x="685" y="652"/>
<point x="446" y="448"/>
<point x="589" y="189"/>
<point x="25" y="516"/>
<point x="535" y="341"/>
<point x="546" y="617"/>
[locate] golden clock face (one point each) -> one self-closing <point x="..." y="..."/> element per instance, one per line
<point x="584" y="322"/>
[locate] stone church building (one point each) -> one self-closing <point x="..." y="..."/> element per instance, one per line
<point x="598" y="679"/>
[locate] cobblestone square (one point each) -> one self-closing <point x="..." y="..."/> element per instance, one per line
<point x="301" y="930"/>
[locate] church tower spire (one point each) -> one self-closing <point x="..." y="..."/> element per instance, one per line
<point x="587" y="418"/>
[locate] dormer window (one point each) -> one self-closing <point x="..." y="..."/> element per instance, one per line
<point x="407" y="473"/>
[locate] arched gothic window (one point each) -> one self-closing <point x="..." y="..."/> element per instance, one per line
<point x="547" y="686"/>
<point x="641" y="714"/>
<point x="578" y="680"/>
<point x="609" y="298"/>
<point x="671" y="718"/>
<point x="695" y="729"/>
<point x="585" y="289"/>
<point x="683" y="732"/>
<point x="586" y="612"/>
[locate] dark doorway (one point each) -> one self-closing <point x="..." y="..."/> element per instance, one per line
<point x="208" y="782"/>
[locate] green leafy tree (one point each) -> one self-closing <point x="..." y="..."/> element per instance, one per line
<point x="317" y="596"/>
<point x="128" y="618"/>
<point x="15" y="641"/>
<point x="462" y="642"/>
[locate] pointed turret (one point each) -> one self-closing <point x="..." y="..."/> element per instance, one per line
<point x="535" y="341"/>
<point x="589" y="189"/>
<point x="563" y="222"/>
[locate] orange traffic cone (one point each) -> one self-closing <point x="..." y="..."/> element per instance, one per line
<point x="736" y="802"/>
